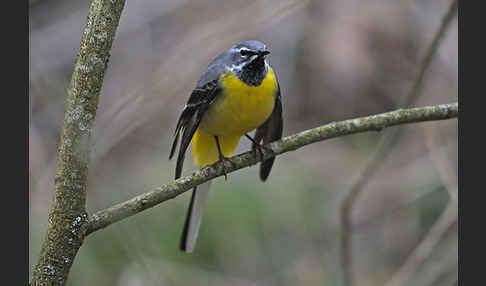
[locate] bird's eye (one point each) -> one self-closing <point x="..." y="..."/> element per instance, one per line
<point x="245" y="53"/>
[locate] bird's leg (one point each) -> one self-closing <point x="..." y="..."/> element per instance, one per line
<point x="256" y="146"/>
<point x="222" y="158"/>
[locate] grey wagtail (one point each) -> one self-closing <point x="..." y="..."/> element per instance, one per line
<point x="237" y="93"/>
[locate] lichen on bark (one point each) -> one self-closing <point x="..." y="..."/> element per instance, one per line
<point x="68" y="219"/>
<point x="171" y="190"/>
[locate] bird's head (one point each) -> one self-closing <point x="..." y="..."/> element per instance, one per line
<point x="248" y="61"/>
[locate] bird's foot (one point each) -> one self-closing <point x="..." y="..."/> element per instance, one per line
<point x="224" y="159"/>
<point x="257" y="147"/>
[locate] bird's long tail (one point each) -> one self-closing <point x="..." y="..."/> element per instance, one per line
<point x="193" y="217"/>
<point x="205" y="153"/>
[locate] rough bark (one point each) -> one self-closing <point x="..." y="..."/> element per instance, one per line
<point x="68" y="219"/>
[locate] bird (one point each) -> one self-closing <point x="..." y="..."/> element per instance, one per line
<point x="236" y="94"/>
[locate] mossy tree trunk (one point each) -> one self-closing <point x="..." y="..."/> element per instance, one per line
<point x="68" y="219"/>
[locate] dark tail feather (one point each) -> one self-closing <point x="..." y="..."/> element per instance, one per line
<point x="271" y="131"/>
<point x="185" y="230"/>
<point x="265" y="168"/>
<point x="193" y="217"/>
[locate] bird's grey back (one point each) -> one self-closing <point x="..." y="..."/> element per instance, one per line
<point x="215" y="68"/>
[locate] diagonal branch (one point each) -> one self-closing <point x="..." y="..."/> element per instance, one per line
<point x="385" y="146"/>
<point x="171" y="190"/>
<point x="427" y="245"/>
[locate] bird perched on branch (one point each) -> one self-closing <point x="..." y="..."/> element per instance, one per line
<point x="237" y="93"/>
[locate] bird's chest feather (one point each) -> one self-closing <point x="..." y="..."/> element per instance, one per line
<point x="240" y="108"/>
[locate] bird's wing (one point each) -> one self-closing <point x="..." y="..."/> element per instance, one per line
<point x="199" y="101"/>
<point x="270" y="131"/>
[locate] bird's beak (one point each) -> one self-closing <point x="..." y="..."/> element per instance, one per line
<point x="259" y="56"/>
<point x="263" y="53"/>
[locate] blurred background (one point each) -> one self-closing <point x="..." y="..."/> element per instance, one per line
<point x="335" y="60"/>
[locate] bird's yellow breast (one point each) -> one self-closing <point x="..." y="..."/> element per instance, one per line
<point x="241" y="107"/>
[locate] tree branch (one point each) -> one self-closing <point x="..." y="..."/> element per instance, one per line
<point x="68" y="219"/>
<point x="377" y="122"/>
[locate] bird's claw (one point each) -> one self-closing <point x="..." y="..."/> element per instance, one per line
<point x="223" y="160"/>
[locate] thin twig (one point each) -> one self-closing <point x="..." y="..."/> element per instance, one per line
<point x="377" y="122"/>
<point x="444" y="167"/>
<point x="448" y="217"/>
<point x="426" y="246"/>
<point x="385" y="145"/>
